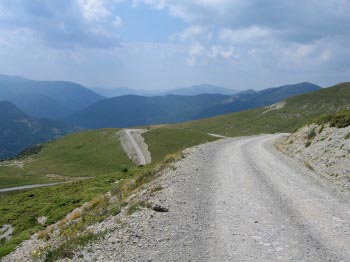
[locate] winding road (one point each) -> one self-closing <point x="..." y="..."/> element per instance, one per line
<point x="141" y="157"/>
<point x="236" y="200"/>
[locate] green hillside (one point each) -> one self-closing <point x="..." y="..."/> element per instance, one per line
<point x="96" y="155"/>
<point x="167" y="142"/>
<point x="295" y="113"/>
<point x="86" y="154"/>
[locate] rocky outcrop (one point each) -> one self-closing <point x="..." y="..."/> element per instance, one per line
<point x="324" y="149"/>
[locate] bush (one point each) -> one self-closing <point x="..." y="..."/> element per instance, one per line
<point x="311" y="134"/>
<point x="307" y="144"/>
<point x="340" y="120"/>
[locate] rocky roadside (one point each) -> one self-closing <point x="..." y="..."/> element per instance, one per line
<point x="144" y="222"/>
<point x="323" y="149"/>
<point x="145" y="234"/>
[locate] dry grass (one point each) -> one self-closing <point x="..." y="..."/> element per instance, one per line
<point x="96" y="201"/>
<point x="75" y="214"/>
<point x="309" y="166"/>
<point x="173" y="157"/>
<point x="44" y="234"/>
<point x="156" y="188"/>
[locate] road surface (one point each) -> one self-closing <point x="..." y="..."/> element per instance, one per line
<point x="141" y="157"/>
<point x="27" y="187"/>
<point x="235" y="200"/>
<point x="215" y="135"/>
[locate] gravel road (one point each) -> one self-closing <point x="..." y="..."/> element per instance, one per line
<point x="28" y="187"/>
<point x="234" y="200"/>
<point x="135" y="146"/>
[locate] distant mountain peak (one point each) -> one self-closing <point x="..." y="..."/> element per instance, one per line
<point x="46" y="99"/>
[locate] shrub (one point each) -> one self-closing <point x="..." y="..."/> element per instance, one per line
<point x="311" y="134"/>
<point x="132" y="208"/>
<point x="340" y="119"/>
<point x="307" y="144"/>
<point x="115" y="210"/>
<point x="347" y="136"/>
<point x="321" y="129"/>
<point x="156" y="188"/>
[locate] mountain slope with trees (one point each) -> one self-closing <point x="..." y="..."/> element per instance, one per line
<point x="126" y="111"/>
<point x="18" y="130"/>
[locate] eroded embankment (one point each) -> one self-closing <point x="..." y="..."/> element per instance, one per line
<point x="323" y="149"/>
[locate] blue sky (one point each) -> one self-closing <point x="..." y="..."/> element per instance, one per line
<point x="161" y="44"/>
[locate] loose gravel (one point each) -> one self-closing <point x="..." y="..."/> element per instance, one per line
<point x="233" y="200"/>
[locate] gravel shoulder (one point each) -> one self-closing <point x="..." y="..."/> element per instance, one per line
<point x="233" y="200"/>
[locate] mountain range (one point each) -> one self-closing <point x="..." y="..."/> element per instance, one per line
<point x="131" y="110"/>
<point x="37" y="111"/>
<point x="185" y="91"/>
<point x="46" y="99"/>
<point x="285" y="117"/>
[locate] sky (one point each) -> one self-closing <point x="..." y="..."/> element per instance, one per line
<point x="162" y="44"/>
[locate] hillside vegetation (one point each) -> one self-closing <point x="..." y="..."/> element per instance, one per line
<point x="18" y="130"/>
<point x="167" y="143"/>
<point x="96" y="156"/>
<point x="286" y="117"/>
<point x="86" y="154"/>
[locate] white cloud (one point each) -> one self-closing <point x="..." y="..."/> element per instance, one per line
<point x="118" y="22"/>
<point x="200" y="55"/>
<point x="94" y="10"/>
<point x="244" y="35"/>
<point x="222" y="52"/>
<point x="191" y="32"/>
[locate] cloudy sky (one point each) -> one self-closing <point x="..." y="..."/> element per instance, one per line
<point x="155" y="44"/>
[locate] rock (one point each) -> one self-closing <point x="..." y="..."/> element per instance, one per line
<point x="42" y="220"/>
<point x="159" y="208"/>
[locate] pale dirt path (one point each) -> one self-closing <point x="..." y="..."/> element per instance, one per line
<point x="3" y="190"/>
<point x="135" y="146"/>
<point x="142" y="158"/>
<point x="218" y="136"/>
<point x="234" y="200"/>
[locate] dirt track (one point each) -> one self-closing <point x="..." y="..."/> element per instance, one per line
<point x="235" y="200"/>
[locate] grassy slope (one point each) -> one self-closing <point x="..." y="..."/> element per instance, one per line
<point x="298" y="111"/>
<point x="21" y="209"/>
<point x="166" y="141"/>
<point x="86" y="154"/>
<point x="95" y="153"/>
